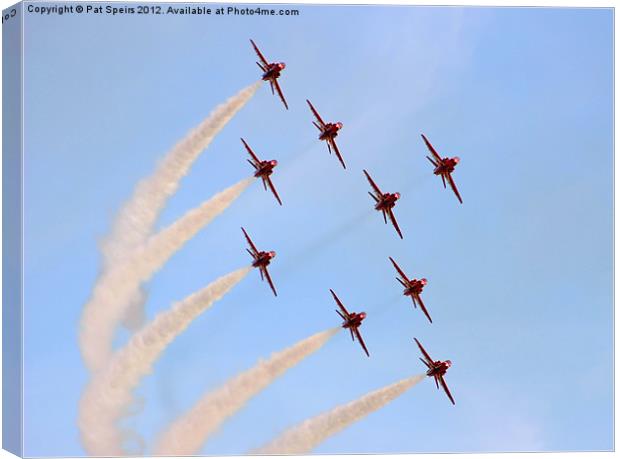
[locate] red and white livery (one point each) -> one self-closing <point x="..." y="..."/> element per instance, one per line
<point x="437" y="369"/>
<point x="263" y="169"/>
<point x="384" y="202"/>
<point x="443" y="167"/>
<point x="261" y="260"/>
<point x="271" y="72"/>
<point x="413" y="288"/>
<point x="352" y="321"/>
<point x="328" y="132"/>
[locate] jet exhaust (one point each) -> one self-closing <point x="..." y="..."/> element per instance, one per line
<point x="121" y="286"/>
<point x="188" y="433"/>
<point x="304" y="437"/>
<point x="136" y="219"/>
<point x="108" y="397"/>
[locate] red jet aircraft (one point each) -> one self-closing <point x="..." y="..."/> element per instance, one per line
<point x="413" y="288"/>
<point x="352" y="321"/>
<point x="263" y="169"/>
<point x="385" y="202"/>
<point x="271" y="72"/>
<point x="443" y="167"/>
<point x="437" y="369"/>
<point x="261" y="261"/>
<point x="329" y="132"/>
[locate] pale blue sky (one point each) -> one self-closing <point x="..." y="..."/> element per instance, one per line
<point x="520" y="275"/>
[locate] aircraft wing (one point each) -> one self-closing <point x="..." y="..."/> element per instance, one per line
<point x="264" y="270"/>
<point x="426" y="356"/>
<point x="400" y="271"/>
<point x="277" y="85"/>
<point x="247" y="147"/>
<point x="340" y="305"/>
<point x="431" y="148"/>
<point x="401" y="282"/>
<point x="417" y="297"/>
<point x="373" y="184"/>
<point x="394" y="222"/>
<point x="433" y="162"/>
<point x="253" y="164"/>
<point x="272" y="188"/>
<point x="453" y="186"/>
<point x="361" y="340"/>
<point x="260" y="55"/>
<point x="316" y="114"/>
<point x="254" y="249"/>
<point x="445" y="388"/>
<point x="333" y="144"/>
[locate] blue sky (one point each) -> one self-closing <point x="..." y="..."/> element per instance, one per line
<point x="520" y="275"/>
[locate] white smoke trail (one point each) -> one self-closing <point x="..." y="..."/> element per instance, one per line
<point x="108" y="397"/>
<point x="187" y="434"/>
<point x="304" y="437"/>
<point x="119" y="287"/>
<point x="134" y="317"/>
<point x="136" y="219"/>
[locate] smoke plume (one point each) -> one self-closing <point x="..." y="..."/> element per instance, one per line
<point x="188" y="433"/>
<point x="108" y="397"/>
<point x="121" y="286"/>
<point x="136" y="219"/>
<point x="304" y="437"/>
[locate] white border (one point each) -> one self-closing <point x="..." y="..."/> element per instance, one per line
<point x="548" y="3"/>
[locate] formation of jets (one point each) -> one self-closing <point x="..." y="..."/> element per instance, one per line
<point x="383" y="202"/>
